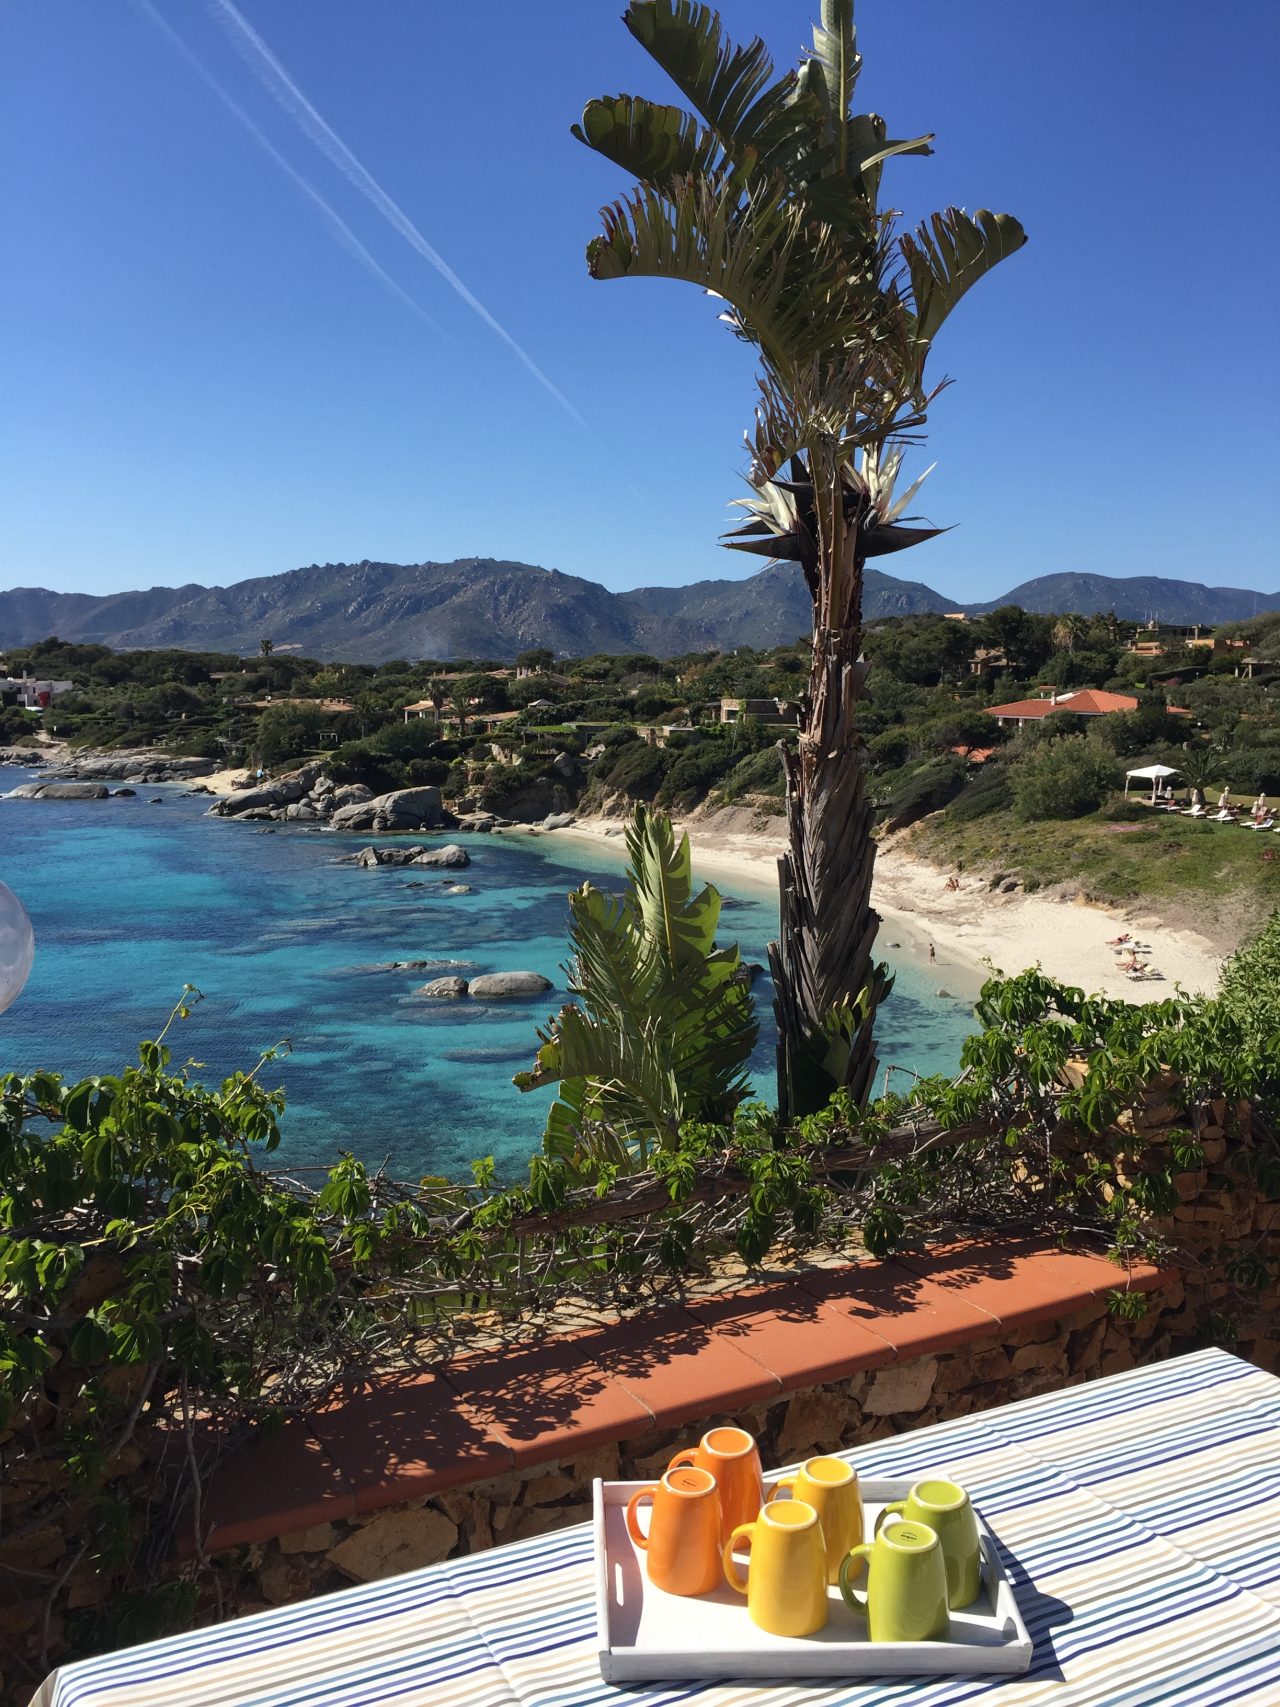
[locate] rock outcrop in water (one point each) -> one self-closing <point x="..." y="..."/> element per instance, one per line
<point x="308" y="796"/>
<point x="492" y="985"/>
<point x="451" y="857"/>
<point x="444" y="989"/>
<point x="402" y="809"/>
<point x="138" y="765"/>
<point x="489" y="986"/>
<point x="59" y="791"/>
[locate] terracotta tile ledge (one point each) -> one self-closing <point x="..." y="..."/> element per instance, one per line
<point x="403" y="1437"/>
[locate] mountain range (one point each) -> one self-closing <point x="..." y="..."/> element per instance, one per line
<point x="482" y="608"/>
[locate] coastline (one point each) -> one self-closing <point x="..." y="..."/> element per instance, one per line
<point x="974" y="930"/>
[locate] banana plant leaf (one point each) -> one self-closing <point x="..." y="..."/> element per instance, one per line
<point x="664" y="1024"/>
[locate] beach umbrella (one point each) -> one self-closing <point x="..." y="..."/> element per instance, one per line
<point x="17" y="947"/>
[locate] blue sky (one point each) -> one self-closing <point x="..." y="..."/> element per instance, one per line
<point x="202" y="382"/>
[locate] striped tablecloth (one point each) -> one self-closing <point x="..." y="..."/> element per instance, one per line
<point x="1138" y="1516"/>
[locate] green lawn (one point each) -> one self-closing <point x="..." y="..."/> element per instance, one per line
<point x="1215" y="876"/>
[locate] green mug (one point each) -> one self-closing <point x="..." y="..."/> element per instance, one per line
<point x="945" y="1507"/>
<point x="905" y="1599"/>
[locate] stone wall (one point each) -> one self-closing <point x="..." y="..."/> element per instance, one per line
<point x="839" y="1415"/>
<point x="1225" y="1228"/>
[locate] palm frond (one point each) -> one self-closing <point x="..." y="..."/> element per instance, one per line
<point x="730" y="86"/>
<point x="655" y="143"/>
<point x="949" y="254"/>
<point x="835" y="47"/>
<point x="782" y="276"/>
<point x="869" y="147"/>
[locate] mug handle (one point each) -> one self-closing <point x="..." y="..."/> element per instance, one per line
<point x="782" y="1488"/>
<point x="633" y="1524"/>
<point x="896" y="1509"/>
<point x="744" y="1532"/>
<point x="854" y="1598"/>
<point x="682" y="1460"/>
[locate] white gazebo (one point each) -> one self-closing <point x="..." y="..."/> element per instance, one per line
<point x="1154" y="774"/>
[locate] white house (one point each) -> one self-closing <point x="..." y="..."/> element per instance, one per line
<point x="31" y="692"/>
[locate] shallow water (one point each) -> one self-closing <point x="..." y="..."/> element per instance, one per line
<point x="131" y="900"/>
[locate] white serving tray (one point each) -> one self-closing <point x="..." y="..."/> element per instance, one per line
<point x="646" y="1633"/>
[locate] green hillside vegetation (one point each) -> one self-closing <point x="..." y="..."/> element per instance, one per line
<point x="1043" y="802"/>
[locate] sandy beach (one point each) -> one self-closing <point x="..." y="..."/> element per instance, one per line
<point x="973" y="930"/>
<point x="224" y="781"/>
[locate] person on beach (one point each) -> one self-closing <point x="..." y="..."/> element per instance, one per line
<point x="932" y="954"/>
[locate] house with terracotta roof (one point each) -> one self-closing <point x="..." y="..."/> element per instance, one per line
<point x="1085" y="702"/>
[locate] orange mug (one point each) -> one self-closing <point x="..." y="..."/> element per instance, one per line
<point x="729" y="1454"/>
<point x="683" y="1543"/>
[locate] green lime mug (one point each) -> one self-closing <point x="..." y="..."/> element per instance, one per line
<point x="905" y="1599"/>
<point x="945" y="1507"/>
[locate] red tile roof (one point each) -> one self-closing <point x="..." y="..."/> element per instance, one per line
<point x="1085" y="702"/>
<point x="1024" y="708"/>
<point x="1098" y="702"/>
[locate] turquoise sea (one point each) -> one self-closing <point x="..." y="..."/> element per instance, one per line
<point x="131" y="900"/>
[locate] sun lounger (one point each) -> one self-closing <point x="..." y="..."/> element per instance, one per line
<point x="1193" y="812"/>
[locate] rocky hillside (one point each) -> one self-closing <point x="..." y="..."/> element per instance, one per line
<point x="482" y="608"/>
<point x="1137" y="598"/>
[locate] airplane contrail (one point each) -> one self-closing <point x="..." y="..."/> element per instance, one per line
<point x="273" y="76"/>
<point x="337" y="225"/>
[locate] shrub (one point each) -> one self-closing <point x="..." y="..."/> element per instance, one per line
<point x="988" y="792"/>
<point x="421" y="772"/>
<point x="360" y="761"/>
<point x="888" y="751"/>
<point x="924" y="790"/>
<point x="695" y="770"/>
<point x="287" y="732"/>
<point x="759" y="773"/>
<point x="618" y="735"/>
<point x="638" y="771"/>
<point x="1250" y="769"/>
<point x="1063" y="779"/>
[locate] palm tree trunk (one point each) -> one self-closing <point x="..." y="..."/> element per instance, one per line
<point x="823" y="958"/>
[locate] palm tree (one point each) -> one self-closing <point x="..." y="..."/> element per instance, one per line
<point x="266" y="648"/>
<point x="1069" y="631"/>
<point x="766" y="196"/>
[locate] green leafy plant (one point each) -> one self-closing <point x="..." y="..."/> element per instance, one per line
<point x="664" y="1024"/>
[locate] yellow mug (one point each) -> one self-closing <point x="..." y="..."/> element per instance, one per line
<point x="830" y="1486"/>
<point x="786" y="1581"/>
<point x="683" y="1543"/>
<point x="945" y="1507"/>
<point x="906" y="1594"/>
<point x="730" y="1455"/>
